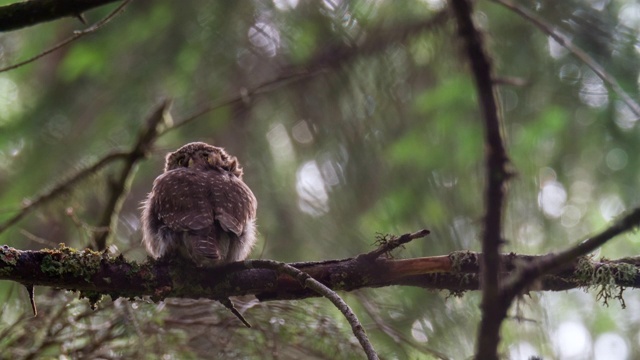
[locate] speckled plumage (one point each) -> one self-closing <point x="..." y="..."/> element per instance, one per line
<point x="200" y="208"/>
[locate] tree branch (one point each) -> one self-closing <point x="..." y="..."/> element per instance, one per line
<point x="120" y="187"/>
<point x="496" y="178"/>
<point x="576" y="51"/>
<point x="552" y="262"/>
<point x="131" y="157"/>
<point x="313" y="284"/>
<point x="76" y="35"/>
<point x="28" y="13"/>
<point x="61" y="188"/>
<point x="94" y="274"/>
<point x="331" y="57"/>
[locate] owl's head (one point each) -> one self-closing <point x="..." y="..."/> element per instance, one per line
<point x="202" y="156"/>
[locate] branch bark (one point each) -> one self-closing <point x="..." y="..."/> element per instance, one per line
<point x="497" y="175"/>
<point x="95" y="274"/>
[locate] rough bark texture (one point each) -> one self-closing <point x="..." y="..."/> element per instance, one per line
<point x="94" y="274"/>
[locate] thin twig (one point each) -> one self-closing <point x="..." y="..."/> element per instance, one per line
<point x="242" y="95"/>
<point x="392" y="244"/>
<point x="120" y="188"/>
<point x="496" y="177"/>
<point x="307" y="281"/>
<point x="332" y="56"/>
<point x="396" y="335"/>
<point x="576" y="51"/>
<point x="76" y="35"/>
<point x="63" y="186"/>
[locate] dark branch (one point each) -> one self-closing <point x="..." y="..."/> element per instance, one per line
<point x="120" y="187"/>
<point x="28" y="13"/>
<point x="76" y="35"/>
<point x="62" y="187"/>
<point x="552" y="262"/>
<point x="496" y="177"/>
<point x="94" y="274"/>
<point x="131" y="157"/>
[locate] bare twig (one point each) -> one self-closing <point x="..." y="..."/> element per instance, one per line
<point x="120" y="187"/>
<point x="32" y="299"/>
<point x="496" y="175"/>
<point x="307" y="281"/>
<point x="392" y="244"/>
<point x="229" y="305"/>
<point x="393" y="333"/>
<point x="76" y="35"/>
<point x="332" y="56"/>
<point x="576" y="51"/>
<point x="242" y="96"/>
<point x="62" y="187"/>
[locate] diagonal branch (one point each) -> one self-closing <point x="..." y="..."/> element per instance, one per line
<point x="311" y="283"/>
<point x="61" y="188"/>
<point x="331" y="57"/>
<point x="120" y="187"/>
<point x="552" y="262"/>
<point x="576" y="51"/>
<point x="131" y="157"/>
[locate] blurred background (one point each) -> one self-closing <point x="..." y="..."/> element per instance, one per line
<point x="369" y="124"/>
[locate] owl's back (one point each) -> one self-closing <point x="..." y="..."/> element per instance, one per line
<point x="207" y="215"/>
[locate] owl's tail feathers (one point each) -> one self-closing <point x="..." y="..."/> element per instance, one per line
<point x="207" y="248"/>
<point x="203" y="250"/>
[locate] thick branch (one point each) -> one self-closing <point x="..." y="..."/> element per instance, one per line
<point x="28" y="13"/>
<point x="95" y="274"/>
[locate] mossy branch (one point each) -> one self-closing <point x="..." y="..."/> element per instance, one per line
<point x="96" y="274"/>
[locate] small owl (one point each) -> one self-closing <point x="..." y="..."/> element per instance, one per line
<point x="200" y="208"/>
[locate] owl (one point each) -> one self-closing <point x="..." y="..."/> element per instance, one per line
<point x="199" y="208"/>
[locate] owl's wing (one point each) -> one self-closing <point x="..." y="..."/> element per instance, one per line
<point x="234" y="203"/>
<point x="181" y="201"/>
